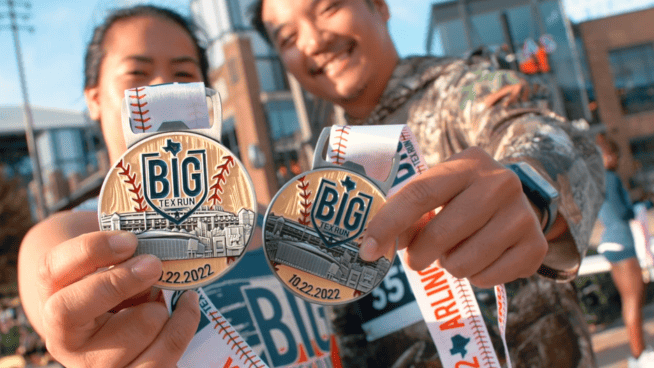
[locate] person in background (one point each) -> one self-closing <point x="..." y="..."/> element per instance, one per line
<point x="109" y="319"/>
<point x="617" y="245"/>
<point x="470" y="121"/>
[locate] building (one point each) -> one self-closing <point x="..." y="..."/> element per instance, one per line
<point x="268" y="120"/>
<point x="207" y="232"/>
<point x="518" y="28"/>
<point x="72" y="159"/>
<point x="299" y="246"/>
<point x="620" y="53"/>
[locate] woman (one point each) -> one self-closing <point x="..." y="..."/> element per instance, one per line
<point x="617" y="245"/>
<point x="69" y="304"/>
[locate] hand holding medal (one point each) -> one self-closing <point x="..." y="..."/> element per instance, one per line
<point x="187" y="198"/>
<point x="314" y="226"/>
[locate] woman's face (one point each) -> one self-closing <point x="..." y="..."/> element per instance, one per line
<point x="138" y="51"/>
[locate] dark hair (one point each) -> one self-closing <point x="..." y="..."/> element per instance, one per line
<point x="256" y="11"/>
<point x="95" y="49"/>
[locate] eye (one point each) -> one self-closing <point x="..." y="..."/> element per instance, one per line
<point x="137" y="72"/>
<point x="185" y="75"/>
<point x="331" y="7"/>
<point x="287" y="39"/>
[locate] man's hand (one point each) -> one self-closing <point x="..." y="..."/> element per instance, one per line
<point x="81" y="325"/>
<point x="486" y="230"/>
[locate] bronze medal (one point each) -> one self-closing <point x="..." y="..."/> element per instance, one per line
<point x="313" y="229"/>
<point x="189" y="201"/>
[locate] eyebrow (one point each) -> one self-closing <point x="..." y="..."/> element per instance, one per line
<point x="278" y="29"/>
<point x="177" y="60"/>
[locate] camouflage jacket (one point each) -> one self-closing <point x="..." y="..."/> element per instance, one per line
<point x="453" y="104"/>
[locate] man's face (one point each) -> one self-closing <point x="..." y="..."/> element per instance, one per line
<point x="339" y="50"/>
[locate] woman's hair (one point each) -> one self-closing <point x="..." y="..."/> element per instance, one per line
<point x="95" y="49"/>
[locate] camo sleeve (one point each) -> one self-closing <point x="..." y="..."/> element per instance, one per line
<point x="501" y="112"/>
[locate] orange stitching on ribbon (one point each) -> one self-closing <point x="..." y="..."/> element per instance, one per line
<point x="338" y="153"/>
<point x="141" y="119"/>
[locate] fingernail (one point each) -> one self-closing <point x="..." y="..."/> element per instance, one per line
<point x="193" y="297"/>
<point x="122" y="242"/>
<point x="147" y="267"/>
<point x="368" y="249"/>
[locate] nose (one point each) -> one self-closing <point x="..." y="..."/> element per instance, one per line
<point x="312" y="40"/>
<point x="161" y="77"/>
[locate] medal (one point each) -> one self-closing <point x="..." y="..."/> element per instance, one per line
<point x="187" y="198"/>
<point x="314" y="226"/>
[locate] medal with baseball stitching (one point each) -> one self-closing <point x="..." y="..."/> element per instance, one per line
<point x="187" y="198"/>
<point x="314" y="226"/>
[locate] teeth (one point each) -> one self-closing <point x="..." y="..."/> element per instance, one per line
<point x="340" y="57"/>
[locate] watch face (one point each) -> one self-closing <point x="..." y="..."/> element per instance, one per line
<point x="189" y="201"/>
<point x="312" y="233"/>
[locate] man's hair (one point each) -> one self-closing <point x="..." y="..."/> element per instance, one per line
<point x="95" y="49"/>
<point x="256" y="10"/>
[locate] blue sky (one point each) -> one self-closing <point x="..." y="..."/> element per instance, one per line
<point x="53" y="54"/>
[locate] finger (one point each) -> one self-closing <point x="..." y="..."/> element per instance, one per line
<point x="175" y="336"/>
<point x="409" y="235"/>
<point x="517" y="262"/>
<point x="481" y="249"/>
<point x="135" y="328"/>
<point x="75" y="307"/>
<point x="76" y="258"/>
<point x="463" y="216"/>
<point x="410" y="203"/>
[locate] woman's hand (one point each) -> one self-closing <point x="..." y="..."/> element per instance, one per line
<point x="486" y="231"/>
<point x="81" y="321"/>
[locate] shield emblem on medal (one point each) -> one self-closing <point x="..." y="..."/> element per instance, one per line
<point x="340" y="213"/>
<point x="175" y="180"/>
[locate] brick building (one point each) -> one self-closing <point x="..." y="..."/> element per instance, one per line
<point x="620" y="55"/>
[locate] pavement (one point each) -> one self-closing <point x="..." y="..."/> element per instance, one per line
<point x="611" y="344"/>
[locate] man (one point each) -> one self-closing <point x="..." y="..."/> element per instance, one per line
<point x="487" y="231"/>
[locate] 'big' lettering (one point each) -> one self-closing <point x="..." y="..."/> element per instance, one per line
<point x="340" y="212"/>
<point x="175" y="185"/>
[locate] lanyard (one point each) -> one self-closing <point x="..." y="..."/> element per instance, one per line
<point x="447" y="304"/>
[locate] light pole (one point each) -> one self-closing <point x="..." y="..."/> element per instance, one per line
<point x="29" y="132"/>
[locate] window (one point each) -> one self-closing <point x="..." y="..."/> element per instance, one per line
<point x="282" y="119"/>
<point x="487" y="30"/>
<point x="452" y="38"/>
<point x="633" y="77"/>
<point x="271" y="74"/>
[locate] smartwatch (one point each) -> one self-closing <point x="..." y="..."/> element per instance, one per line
<point x="539" y="191"/>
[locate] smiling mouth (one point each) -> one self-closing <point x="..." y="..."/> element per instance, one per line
<point x="337" y="56"/>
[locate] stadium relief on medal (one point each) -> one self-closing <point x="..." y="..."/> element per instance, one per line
<point x="313" y="232"/>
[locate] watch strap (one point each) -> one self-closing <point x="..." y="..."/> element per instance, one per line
<point x="539" y="191"/>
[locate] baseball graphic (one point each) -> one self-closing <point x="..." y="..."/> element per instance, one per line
<point x="312" y="234"/>
<point x="188" y="200"/>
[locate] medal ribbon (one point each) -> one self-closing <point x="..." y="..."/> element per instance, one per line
<point x="217" y="344"/>
<point x="447" y="304"/>
<point x="183" y="107"/>
<point x="150" y="108"/>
